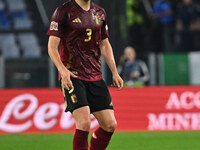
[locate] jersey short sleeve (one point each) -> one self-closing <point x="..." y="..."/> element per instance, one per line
<point x="104" y="30"/>
<point x="56" y="25"/>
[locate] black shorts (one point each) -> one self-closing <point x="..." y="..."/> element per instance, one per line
<point x="94" y="94"/>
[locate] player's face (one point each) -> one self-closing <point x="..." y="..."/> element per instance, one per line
<point x="187" y="2"/>
<point x="130" y="53"/>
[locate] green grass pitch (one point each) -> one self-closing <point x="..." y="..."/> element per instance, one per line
<point x="120" y="141"/>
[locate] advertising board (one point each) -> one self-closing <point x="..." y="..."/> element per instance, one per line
<point x="136" y="109"/>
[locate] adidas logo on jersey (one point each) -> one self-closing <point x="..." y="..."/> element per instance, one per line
<point x="77" y="20"/>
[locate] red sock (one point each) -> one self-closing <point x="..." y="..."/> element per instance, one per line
<point x="100" y="139"/>
<point x="80" y="141"/>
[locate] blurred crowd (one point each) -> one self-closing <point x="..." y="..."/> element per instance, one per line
<point x="159" y="26"/>
<point x="133" y="71"/>
<point x="164" y="25"/>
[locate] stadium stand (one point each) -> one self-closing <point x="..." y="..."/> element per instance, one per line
<point x="29" y="44"/>
<point x="18" y="36"/>
<point x="23" y="48"/>
<point x="9" y="46"/>
<point x="4" y="22"/>
<point x="20" y="17"/>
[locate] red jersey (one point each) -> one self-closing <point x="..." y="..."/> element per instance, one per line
<point x="81" y="33"/>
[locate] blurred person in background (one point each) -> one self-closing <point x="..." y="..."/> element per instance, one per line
<point x="163" y="25"/>
<point x="134" y="72"/>
<point x="195" y="26"/>
<point x="81" y="28"/>
<point x="186" y="17"/>
<point x="135" y="23"/>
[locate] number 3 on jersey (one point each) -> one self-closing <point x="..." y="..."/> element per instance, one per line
<point x="89" y="34"/>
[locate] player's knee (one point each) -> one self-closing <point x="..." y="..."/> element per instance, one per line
<point x="84" y="125"/>
<point x="111" y="126"/>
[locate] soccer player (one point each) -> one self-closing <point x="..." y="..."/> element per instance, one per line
<point x="80" y="27"/>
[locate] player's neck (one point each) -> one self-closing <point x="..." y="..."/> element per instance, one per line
<point x="84" y="4"/>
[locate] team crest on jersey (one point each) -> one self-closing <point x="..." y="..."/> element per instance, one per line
<point x="54" y="26"/>
<point x="97" y="19"/>
<point x="74" y="98"/>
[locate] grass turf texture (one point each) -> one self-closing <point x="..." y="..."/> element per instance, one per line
<point x="120" y="141"/>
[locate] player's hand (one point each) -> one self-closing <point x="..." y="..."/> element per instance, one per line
<point x="66" y="80"/>
<point x="117" y="81"/>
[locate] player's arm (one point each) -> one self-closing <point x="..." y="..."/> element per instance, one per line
<point x="55" y="57"/>
<point x="107" y="53"/>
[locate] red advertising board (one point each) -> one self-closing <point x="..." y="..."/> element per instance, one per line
<point x="148" y="108"/>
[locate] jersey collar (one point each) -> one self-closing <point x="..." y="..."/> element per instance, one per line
<point x="75" y="3"/>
